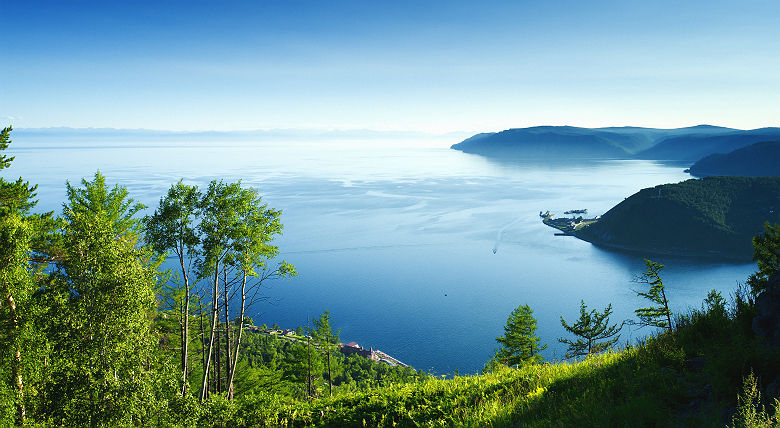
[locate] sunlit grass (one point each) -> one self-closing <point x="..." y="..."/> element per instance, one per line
<point x="689" y="377"/>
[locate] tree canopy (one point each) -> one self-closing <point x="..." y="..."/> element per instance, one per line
<point x="766" y="254"/>
<point x="658" y="315"/>
<point x="594" y="332"/>
<point x="519" y="345"/>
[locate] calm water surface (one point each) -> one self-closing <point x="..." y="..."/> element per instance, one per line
<point x="396" y="238"/>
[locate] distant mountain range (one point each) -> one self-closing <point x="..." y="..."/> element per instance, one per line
<point x="567" y="142"/>
<point x="712" y="216"/>
<point x="755" y="160"/>
<point x="137" y="135"/>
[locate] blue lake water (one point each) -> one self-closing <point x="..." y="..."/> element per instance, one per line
<point x="396" y="238"/>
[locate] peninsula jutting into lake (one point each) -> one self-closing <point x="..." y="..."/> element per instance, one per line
<point x="714" y="217"/>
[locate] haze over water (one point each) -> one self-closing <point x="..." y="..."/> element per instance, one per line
<point x="396" y="238"/>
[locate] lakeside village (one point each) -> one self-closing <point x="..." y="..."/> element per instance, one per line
<point x="567" y="225"/>
<point x="350" y="348"/>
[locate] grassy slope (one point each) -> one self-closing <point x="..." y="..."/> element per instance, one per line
<point x="711" y="216"/>
<point x="689" y="378"/>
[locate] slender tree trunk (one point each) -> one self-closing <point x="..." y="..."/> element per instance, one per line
<point x="202" y="339"/>
<point x="308" y="351"/>
<point x="185" y="329"/>
<point x="228" y="343"/>
<point x="666" y="307"/>
<point x="218" y="360"/>
<point x="330" y="378"/>
<point x="16" y="370"/>
<point x="214" y="321"/>
<point x="238" y="338"/>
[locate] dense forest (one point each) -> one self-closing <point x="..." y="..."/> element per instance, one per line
<point x="713" y="216"/>
<point x="94" y="331"/>
<point x="755" y="160"/>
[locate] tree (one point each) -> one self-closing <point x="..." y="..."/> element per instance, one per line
<point x="327" y="341"/>
<point x="303" y="368"/>
<point x="217" y="228"/>
<point x="25" y="239"/>
<point x="105" y="288"/>
<point x="236" y="231"/>
<point x="594" y="332"/>
<point x="172" y="228"/>
<point x="519" y="345"/>
<point x="654" y="316"/>
<point x="766" y="254"/>
<point x="258" y="226"/>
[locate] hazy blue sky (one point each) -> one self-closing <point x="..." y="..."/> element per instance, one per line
<point x="418" y="65"/>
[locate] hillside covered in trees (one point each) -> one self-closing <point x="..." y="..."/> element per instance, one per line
<point x="755" y="160"/>
<point x="713" y="216"/>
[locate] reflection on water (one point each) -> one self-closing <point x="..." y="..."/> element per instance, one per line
<point x="397" y="241"/>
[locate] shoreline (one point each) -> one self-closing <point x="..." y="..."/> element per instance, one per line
<point x="573" y="227"/>
<point x="720" y="257"/>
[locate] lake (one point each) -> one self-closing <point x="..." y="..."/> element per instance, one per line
<point x="396" y="238"/>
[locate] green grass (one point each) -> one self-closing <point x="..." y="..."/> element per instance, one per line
<point x="687" y="378"/>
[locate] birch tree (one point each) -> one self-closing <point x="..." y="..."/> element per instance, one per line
<point x="237" y="231"/>
<point x="172" y="227"/>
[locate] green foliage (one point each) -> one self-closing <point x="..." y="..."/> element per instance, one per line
<point x="236" y="228"/>
<point x="593" y="330"/>
<point x="327" y="342"/>
<point x="659" y="315"/>
<point x="323" y="332"/>
<point x="766" y="254"/>
<point x="715" y="303"/>
<point x="5" y="140"/>
<point x="279" y="366"/>
<point x="751" y="413"/>
<point x="104" y="294"/>
<point x="17" y="287"/>
<point x="172" y="226"/>
<point x="24" y="238"/>
<point x="519" y="345"/>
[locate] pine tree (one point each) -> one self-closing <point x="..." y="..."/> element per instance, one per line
<point x="766" y="254"/>
<point x="594" y="332"/>
<point x="519" y="344"/>
<point x="654" y="316"/>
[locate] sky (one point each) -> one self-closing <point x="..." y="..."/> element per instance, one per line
<point x="432" y="66"/>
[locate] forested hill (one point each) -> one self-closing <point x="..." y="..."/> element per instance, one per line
<point x="569" y="142"/>
<point x="713" y="216"/>
<point x="544" y="141"/>
<point x="694" y="147"/>
<point x="755" y="160"/>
